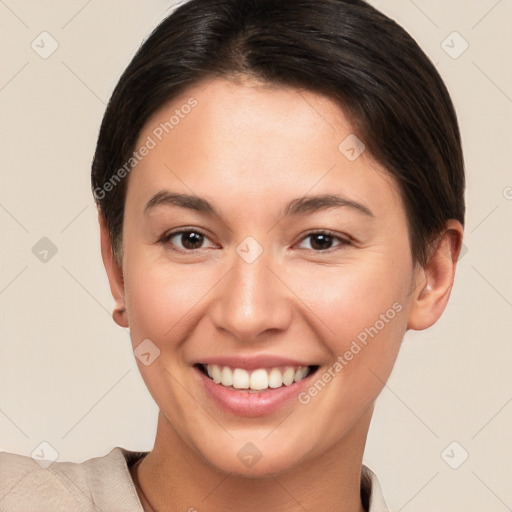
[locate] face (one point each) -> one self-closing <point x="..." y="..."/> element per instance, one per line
<point x="290" y="262"/>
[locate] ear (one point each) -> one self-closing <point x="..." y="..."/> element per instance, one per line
<point x="434" y="281"/>
<point x="114" y="273"/>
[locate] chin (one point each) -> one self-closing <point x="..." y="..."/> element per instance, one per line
<point x="251" y="461"/>
<point x="267" y="464"/>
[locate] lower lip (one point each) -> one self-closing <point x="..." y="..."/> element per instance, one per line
<point x="252" y="404"/>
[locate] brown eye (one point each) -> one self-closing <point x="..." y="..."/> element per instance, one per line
<point x="185" y="240"/>
<point x="191" y="239"/>
<point x="323" y="240"/>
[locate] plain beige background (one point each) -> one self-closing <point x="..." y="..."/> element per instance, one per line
<point x="67" y="373"/>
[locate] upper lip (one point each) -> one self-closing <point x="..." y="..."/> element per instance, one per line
<point x="253" y="362"/>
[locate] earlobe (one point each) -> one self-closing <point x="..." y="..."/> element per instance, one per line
<point x="114" y="274"/>
<point x="434" y="281"/>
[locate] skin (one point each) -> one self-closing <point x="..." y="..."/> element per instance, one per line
<point x="249" y="149"/>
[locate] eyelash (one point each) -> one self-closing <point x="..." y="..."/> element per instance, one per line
<point x="165" y="240"/>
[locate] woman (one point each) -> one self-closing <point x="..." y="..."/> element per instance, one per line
<point x="280" y="190"/>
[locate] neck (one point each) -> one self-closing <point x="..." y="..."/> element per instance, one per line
<point x="174" y="478"/>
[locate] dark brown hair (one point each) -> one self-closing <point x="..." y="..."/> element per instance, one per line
<point x="345" y="49"/>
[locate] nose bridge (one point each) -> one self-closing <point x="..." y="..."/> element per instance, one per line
<point x="251" y="299"/>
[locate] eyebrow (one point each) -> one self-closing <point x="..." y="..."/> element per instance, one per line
<point x="310" y="204"/>
<point x="299" y="206"/>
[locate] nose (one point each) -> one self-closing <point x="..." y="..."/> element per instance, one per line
<point x="252" y="301"/>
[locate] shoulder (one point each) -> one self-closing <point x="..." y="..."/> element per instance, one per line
<point x="100" y="483"/>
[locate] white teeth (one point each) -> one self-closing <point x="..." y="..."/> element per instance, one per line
<point x="300" y="373"/>
<point x="216" y="376"/>
<point x="240" y="379"/>
<point x="227" y="377"/>
<point x="275" y="378"/>
<point x="257" y="380"/>
<point x="288" y="375"/>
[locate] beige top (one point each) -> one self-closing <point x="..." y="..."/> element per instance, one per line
<point x="100" y="484"/>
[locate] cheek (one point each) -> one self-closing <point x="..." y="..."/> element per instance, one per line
<point x="161" y="301"/>
<point x="159" y="297"/>
<point x="349" y="298"/>
<point x="363" y="317"/>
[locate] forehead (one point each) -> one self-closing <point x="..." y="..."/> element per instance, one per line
<point x="222" y="138"/>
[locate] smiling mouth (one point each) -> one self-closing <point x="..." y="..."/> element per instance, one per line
<point x="261" y="379"/>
